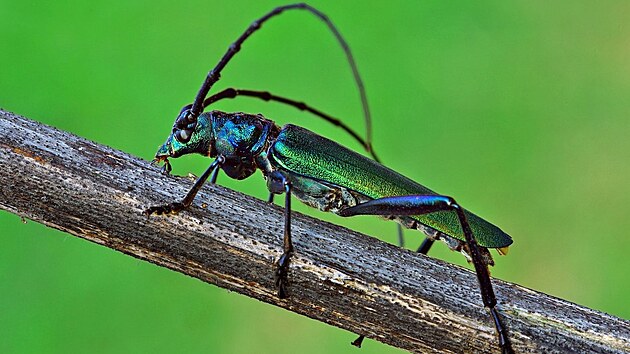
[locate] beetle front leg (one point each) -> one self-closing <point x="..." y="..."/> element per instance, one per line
<point x="176" y="207"/>
<point x="426" y="204"/>
<point x="278" y="183"/>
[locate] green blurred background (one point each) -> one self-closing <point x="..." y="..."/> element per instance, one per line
<point x="520" y="110"/>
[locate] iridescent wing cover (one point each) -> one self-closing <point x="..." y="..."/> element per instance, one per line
<point x="301" y="151"/>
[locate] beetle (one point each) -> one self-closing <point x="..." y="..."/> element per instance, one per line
<point x="322" y="173"/>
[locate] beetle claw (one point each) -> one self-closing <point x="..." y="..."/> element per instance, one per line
<point x="166" y="169"/>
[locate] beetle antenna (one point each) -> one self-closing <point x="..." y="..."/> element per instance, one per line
<point x="267" y="96"/>
<point x="215" y="74"/>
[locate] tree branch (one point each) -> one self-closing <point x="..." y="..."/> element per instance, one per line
<point x="232" y="240"/>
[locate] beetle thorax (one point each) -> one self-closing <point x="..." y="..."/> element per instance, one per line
<point x="240" y="138"/>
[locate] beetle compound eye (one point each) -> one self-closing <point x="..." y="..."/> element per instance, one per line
<point x="183" y="135"/>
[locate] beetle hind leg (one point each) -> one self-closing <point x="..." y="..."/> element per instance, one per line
<point x="426" y="204"/>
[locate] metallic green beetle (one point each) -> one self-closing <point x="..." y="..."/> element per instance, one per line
<point x="322" y="174"/>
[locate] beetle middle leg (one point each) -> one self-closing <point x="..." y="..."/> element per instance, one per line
<point x="277" y="183"/>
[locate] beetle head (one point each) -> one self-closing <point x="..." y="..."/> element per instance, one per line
<point x="199" y="140"/>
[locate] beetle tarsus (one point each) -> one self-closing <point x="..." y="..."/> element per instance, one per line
<point x="357" y="342"/>
<point x="172" y="208"/>
<point x="504" y="341"/>
<point x="166" y="169"/>
<point x="282" y="273"/>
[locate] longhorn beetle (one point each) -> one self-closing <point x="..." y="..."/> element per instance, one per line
<point x="322" y="173"/>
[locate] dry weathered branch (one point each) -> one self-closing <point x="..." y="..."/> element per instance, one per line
<point x="337" y="276"/>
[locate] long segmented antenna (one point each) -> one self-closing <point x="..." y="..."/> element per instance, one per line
<point x="189" y="116"/>
<point x="267" y="96"/>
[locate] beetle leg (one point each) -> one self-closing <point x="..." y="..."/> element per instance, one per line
<point x="215" y="174"/>
<point x="176" y="207"/>
<point x="426" y="204"/>
<point x="425" y="246"/>
<point x="278" y="183"/>
<point x="401" y="240"/>
<point x="357" y="342"/>
<point x="283" y="262"/>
